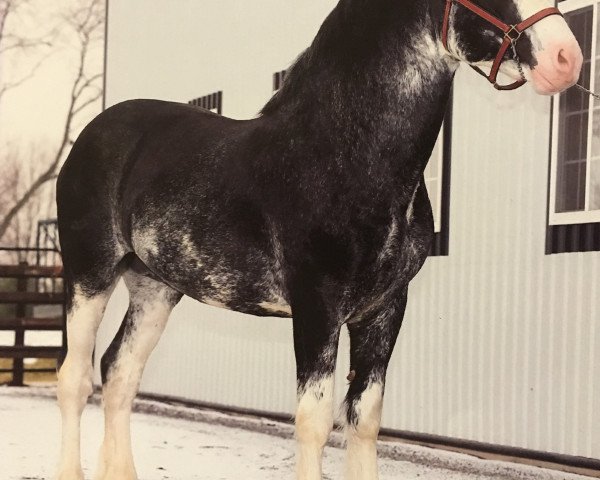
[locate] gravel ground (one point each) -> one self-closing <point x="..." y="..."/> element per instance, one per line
<point x="180" y="443"/>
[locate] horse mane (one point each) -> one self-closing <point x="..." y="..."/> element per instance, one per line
<point x="350" y="35"/>
<point x="297" y="73"/>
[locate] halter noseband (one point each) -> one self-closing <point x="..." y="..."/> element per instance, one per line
<point x="512" y="33"/>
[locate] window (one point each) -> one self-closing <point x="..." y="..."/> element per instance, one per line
<point x="437" y="178"/>
<point x="575" y="182"/>
<point x="433" y="180"/>
<point x="574" y="204"/>
<point x="212" y="102"/>
<point x="437" y="181"/>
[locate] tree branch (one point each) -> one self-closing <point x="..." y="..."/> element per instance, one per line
<point x="88" y="83"/>
<point x="85" y="23"/>
<point x="17" y="83"/>
<point x="88" y="102"/>
<point x="24" y="44"/>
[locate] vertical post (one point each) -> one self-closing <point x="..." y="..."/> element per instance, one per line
<point x="37" y="243"/>
<point x="17" y="380"/>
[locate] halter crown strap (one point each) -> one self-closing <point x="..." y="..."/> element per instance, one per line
<point x="512" y="33"/>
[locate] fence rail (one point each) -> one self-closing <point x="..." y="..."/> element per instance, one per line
<point x="31" y="285"/>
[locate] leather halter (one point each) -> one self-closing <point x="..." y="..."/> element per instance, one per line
<point x="512" y="33"/>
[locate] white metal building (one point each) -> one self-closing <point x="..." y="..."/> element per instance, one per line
<point x="501" y="341"/>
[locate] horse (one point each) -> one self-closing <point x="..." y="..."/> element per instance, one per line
<point x="316" y="209"/>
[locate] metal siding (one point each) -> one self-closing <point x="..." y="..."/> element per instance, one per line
<point x="500" y="342"/>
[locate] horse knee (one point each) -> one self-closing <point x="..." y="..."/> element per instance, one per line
<point x="314" y="416"/>
<point x="364" y="414"/>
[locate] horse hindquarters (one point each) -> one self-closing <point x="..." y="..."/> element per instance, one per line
<point x="91" y="258"/>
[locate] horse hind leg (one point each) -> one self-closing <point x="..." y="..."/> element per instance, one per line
<point x="151" y="302"/>
<point x="86" y="302"/>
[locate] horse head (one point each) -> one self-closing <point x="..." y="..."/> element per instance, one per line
<point x="527" y="40"/>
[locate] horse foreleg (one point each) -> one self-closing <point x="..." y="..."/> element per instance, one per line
<point x="122" y="366"/>
<point x="371" y="343"/>
<point x="315" y="345"/>
<point x="314" y="421"/>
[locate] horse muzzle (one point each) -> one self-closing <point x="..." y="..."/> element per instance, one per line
<point x="558" y="68"/>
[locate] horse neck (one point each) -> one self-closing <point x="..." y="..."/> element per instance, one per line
<point x="375" y="82"/>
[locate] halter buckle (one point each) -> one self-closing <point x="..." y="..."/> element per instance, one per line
<point x="513" y="34"/>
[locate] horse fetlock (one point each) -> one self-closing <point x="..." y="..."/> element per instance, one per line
<point x="119" y="475"/>
<point x="120" y="472"/>
<point x="73" y="473"/>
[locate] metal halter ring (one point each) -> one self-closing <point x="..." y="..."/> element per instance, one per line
<point x="511" y="32"/>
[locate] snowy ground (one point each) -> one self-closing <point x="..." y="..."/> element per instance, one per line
<point x="207" y="445"/>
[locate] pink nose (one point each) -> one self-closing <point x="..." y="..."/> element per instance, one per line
<point x="558" y="67"/>
<point x="567" y="61"/>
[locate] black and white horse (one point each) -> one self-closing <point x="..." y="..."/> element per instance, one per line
<point x="315" y="210"/>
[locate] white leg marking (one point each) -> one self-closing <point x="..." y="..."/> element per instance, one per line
<point x="361" y="448"/>
<point x="75" y="377"/>
<point x="149" y="311"/>
<point x="314" y="421"/>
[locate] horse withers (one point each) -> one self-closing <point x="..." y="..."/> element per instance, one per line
<point x="315" y="210"/>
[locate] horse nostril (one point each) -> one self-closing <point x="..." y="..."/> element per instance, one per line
<point x="564" y="60"/>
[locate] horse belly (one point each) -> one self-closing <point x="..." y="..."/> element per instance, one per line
<point x="244" y="279"/>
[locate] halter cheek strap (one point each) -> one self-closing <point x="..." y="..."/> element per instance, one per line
<point x="512" y="33"/>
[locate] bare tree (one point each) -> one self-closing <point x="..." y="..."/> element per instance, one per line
<point x="12" y="42"/>
<point x="18" y="175"/>
<point x="87" y="24"/>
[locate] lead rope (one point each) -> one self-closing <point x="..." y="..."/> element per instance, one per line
<point x="522" y="73"/>
<point x="589" y="92"/>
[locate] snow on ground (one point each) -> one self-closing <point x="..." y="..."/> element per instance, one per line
<point x="208" y="445"/>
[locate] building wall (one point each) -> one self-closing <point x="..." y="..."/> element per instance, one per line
<point x="501" y="342"/>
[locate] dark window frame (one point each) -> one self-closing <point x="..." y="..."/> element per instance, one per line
<point x="568" y="237"/>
